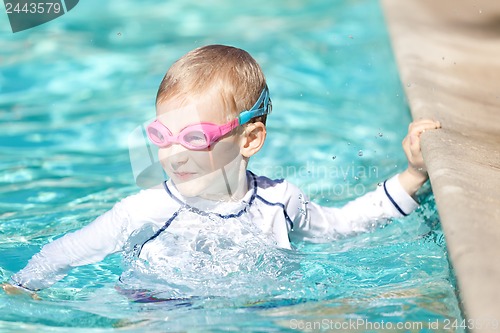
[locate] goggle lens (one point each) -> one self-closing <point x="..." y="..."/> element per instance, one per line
<point x="195" y="139"/>
<point x="157" y="137"/>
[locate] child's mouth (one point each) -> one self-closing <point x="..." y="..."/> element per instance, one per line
<point x="184" y="175"/>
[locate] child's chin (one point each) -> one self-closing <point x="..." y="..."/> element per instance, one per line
<point x="188" y="189"/>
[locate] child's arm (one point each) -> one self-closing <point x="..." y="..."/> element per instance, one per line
<point x="394" y="198"/>
<point x="416" y="174"/>
<point x="105" y="235"/>
<point x="88" y="245"/>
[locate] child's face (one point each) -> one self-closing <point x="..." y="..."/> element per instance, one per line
<point x="211" y="172"/>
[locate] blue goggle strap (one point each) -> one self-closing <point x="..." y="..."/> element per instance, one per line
<point x="261" y="107"/>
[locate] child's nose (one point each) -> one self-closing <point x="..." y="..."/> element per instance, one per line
<point x="177" y="155"/>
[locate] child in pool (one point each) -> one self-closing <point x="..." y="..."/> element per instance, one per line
<point x="212" y="106"/>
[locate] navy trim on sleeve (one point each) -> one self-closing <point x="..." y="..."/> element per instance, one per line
<point x="393" y="202"/>
<point x="162" y="229"/>
<point x="20" y="285"/>
<point x="287" y="218"/>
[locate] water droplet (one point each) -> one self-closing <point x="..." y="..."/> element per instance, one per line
<point x="119" y="34"/>
<point x="334" y="157"/>
<point x="380" y="134"/>
<point x="348" y="143"/>
<point x="408" y="84"/>
<point x="356" y="178"/>
<point x="379" y="184"/>
<point x="360" y="153"/>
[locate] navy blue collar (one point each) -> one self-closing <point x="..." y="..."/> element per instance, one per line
<point x="186" y="206"/>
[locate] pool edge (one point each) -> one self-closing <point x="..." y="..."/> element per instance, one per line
<point x="445" y="53"/>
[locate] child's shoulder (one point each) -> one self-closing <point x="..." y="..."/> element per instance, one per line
<point x="153" y="193"/>
<point x="277" y="189"/>
<point x="150" y="201"/>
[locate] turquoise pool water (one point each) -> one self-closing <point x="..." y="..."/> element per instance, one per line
<point x="71" y="92"/>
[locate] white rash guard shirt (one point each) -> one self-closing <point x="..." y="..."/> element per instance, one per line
<point x="273" y="210"/>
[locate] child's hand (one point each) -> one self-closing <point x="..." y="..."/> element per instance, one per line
<point x="416" y="174"/>
<point x="13" y="290"/>
<point x="411" y="144"/>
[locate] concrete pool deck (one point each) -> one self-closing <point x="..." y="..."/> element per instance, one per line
<point x="448" y="54"/>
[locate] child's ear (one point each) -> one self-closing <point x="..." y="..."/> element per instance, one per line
<point x="253" y="137"/>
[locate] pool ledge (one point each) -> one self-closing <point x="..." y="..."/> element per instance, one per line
<point x="448" y="57"/>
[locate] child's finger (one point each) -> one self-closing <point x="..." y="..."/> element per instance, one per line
<point x="415" y="145"/>
<point x="9" y="289"/>
<point x="406" y="146"/>
<point x="418" y="128"/>
<point x="411" y="147"/>
<point x="425" y="122"/>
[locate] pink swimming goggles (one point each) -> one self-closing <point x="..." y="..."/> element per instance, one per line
<point x="203" y="135"/>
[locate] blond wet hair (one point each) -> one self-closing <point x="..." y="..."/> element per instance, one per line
<point x="228" y="71"/>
